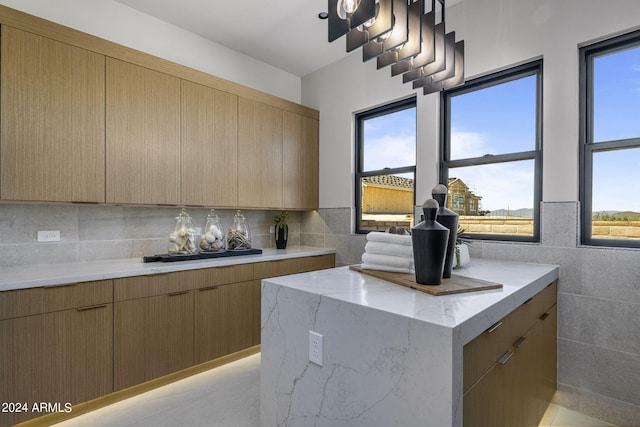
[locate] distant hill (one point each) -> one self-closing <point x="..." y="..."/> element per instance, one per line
<point x="617" y="214"/>
<point x="521" y="213"/>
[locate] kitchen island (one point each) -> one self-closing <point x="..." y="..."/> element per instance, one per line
<point x="391" y="356"/>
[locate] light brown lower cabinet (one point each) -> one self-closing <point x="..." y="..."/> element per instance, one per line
<point x="224" y="319"/>
<point x="55" y="359"/>
<point x="153" y="336"/>
<point x="77" y="342"/>
<point x="517" y="387"/>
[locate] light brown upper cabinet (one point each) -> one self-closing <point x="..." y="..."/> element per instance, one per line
<point x="143" y="135"/>
<point x="259" y="155"/>
<point x="300" y="166"/>
<point x="209" y="146"/>
<point x="52" y="132"/>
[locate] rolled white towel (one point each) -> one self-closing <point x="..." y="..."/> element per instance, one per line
<point x="389" y="249"/>
<point x="378" y="236"/>
<point x="388" y="260"/>
<point x="366" y="266"/>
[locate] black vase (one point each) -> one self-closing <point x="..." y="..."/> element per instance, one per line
<point x="282" y="233"/>
<point x="449" y="219"/>
<point x="429" y="239"/>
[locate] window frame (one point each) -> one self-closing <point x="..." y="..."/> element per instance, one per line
<point x="533" y="68"/>
<point x="392" y="107"/>
<point x="587" y="146"/>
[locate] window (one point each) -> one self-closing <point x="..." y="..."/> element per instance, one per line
<point x="386" y="166"/>
<point x="492" y="151"/>
<point x="610" y="142"/>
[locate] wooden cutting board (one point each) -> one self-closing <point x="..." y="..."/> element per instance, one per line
<point x="455" y="285"/>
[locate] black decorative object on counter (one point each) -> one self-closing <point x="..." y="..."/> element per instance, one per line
<point x="429" y="239"/>
<point x="200" y="255"/>
<point x="449" y="219"/>
<point x="281" y="230"/>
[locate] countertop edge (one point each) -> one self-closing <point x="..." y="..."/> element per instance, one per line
<point x="33" y="276"/>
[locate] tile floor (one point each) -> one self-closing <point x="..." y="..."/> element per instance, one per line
<point x="229" y="396"/>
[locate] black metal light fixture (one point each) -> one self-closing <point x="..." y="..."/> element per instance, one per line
<point x="399" y="33"/>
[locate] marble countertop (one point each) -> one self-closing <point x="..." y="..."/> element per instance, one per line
<point x="59" y="274"/>
<point x="468" y="314"/>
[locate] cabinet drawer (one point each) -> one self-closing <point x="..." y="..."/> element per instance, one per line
<point x="220" y="275"/>
<point x="318" y="262"/>
<point x="487" y="348"/>
<point x="27" y="302"/>
<point x="262" y="270"/>
<point x="147" y="286"/>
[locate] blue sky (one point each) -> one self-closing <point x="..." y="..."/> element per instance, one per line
<point x="617" y="116"/>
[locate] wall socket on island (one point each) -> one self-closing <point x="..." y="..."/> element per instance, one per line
<point x="315" y="348"/>
<point x="49" y="236"/>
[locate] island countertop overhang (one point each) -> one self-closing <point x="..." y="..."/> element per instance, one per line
<point x="465" y="314"/>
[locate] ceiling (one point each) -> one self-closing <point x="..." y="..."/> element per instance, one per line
<point x="284" y="33"/>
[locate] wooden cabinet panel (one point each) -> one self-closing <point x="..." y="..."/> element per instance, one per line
<point x="145" y="286"/>
<point x="515" y="390"/>
<point x="64" y="356"/>
<point x="224" y="320"/>
<point x="153" y="336"/>
<point x="52" y="124"/>
<point x="300" y="153"/>
<point x="485" y="350"/>
<point x="220" y="275"/>
<point x="26" y="302"/>
<point x="143" y="135"/>
<point x="318" y="262"/>
<point x="262" y="270"/>
<point x="209" y="146"/>
<point x="260" y="159"/>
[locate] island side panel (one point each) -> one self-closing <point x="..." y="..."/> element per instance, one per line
<point x="379" y="369"/>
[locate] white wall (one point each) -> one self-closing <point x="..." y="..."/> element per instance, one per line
<point x="498" y="34"/>
<point x="118" y="23"/>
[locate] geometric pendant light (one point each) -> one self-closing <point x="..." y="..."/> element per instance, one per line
<point x="399" y="34"/>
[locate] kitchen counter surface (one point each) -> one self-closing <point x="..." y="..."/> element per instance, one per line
<point x="59" y="274"/>
<point x="392" y="355"/>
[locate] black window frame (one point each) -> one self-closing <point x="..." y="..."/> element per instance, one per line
<point x="533" y="68"/>
<point x="402" y="104"/>
<point x="587" y="146"/>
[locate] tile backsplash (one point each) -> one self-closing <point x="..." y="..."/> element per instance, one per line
<point x="97" y="232"/>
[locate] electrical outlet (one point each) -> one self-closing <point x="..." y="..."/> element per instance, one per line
<point x="315" y="348"/>
<point x="49" y="236"/>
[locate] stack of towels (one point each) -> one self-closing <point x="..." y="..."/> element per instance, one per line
<point x="388" y="252"/>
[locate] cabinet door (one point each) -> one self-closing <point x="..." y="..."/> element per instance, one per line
<point x="224" y="320"/>
<point x="260" y="159"/>
<point x="62" y="357"/>
<point x="209" y="146"/>
<point x="483" y="403"/>
<point x="143" y="135"/>
<point x="300" y="168"/>
<point x="52" y="137"/>
<point x="153" y="337"/>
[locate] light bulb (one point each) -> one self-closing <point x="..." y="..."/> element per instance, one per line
<point x="350" y="6"/>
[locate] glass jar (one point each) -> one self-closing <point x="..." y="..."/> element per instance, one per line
<point x="212" y="238"/>
<point x="239" y="236"/>
<point x="182" y="240"/>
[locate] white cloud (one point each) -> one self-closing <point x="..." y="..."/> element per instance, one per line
<point x="467" y="144"/>
<point x="390" y="151"/>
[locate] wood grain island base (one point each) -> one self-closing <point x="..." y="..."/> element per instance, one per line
<point x="395" y="356"/>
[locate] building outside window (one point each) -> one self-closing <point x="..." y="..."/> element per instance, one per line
<point x="610" y="142"/>
<point x="491" y="153"/>
<point x="385" y="166"/>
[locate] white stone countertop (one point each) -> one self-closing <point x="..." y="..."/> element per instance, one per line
<point x="31" y="276"/>
<point x="468" y="313"/>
